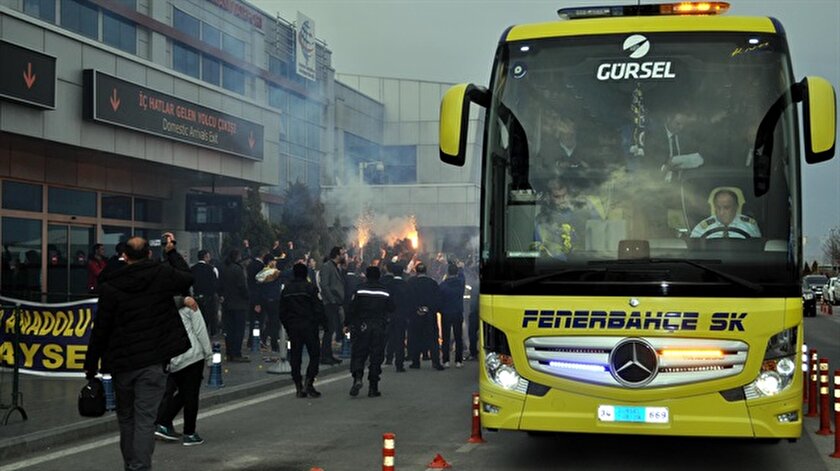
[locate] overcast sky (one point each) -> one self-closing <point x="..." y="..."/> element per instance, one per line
<point x="454" y="41"/>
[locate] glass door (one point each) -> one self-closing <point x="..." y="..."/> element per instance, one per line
<point x="68" y="248"/>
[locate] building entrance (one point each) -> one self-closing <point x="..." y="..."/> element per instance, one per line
<point x="68" y="249"/>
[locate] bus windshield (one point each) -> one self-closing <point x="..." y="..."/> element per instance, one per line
<point x="616" y="162"/>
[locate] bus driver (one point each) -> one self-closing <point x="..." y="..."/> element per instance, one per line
<point x="727" y="220"/>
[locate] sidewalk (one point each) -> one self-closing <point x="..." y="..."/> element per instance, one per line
<point x="53" y="418"/>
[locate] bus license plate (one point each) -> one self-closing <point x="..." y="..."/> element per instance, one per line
<point x="648" y="415"/>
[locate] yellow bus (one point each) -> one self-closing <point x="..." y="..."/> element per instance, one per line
<point x="641" y="222"/>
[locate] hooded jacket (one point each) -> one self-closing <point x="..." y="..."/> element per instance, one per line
<point x="300" y="306"/>
<point x="200" y="348"/>
<point x="137" y="324"/>
<point x="452" y="294"/>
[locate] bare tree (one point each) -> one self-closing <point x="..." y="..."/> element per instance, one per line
<point x="831" y="247"/>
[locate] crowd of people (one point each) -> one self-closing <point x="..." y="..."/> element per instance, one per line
<point x="156" y="319"/>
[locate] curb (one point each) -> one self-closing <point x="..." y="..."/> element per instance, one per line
<point x="35" y="442"/>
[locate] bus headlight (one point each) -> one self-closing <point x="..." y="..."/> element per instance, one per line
<point x="769" y="383"/>
<point x="498" y="362"/>
<point x="778" y="367"/>
<point x="501" y="371"/>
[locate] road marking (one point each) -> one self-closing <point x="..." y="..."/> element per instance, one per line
<point x="466" y="448"/>
<point x="210" y="413"/>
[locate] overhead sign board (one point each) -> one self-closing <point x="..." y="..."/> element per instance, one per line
<point x="118" y="102"/>
<point x="305" y="57"/>
<point x="27" y="76"/>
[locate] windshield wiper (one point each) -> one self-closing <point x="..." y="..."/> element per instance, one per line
<point x="509" y="285"/>
<point x="726" y="276"/>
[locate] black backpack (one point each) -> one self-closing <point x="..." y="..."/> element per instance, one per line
<point x="92" y="399"/>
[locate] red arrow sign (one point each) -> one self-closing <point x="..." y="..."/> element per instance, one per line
<point x="251" y="140"/>
<point x="28" y="77"/>
<point x="115" y="101"/>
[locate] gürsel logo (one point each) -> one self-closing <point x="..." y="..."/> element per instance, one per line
<point x="638" y="46"/>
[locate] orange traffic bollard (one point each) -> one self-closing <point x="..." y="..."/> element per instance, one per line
<point x="812" y="386"/>
<point x="825" y="418"/>
<point x="388" y="452"/>
<point x="836" y="453"/>
<point x="475" y="436"/>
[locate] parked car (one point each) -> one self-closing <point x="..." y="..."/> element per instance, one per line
<point x="816" y="283"/>
<point x="831" y="291"/>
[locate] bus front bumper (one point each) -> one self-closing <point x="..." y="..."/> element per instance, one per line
<point x="700" y="415"/>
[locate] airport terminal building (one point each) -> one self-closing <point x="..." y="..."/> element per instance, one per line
<point x="112" y="112"/>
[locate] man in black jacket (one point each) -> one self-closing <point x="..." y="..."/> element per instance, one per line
<point x="422" y="322"/>
<point x="398" y="288"/>
<point x="301" y="313"/>
<point x="205" y="289"/>
<point x="116" y="261"/>
<point x="255" y="310"/>
<point x="234" y="291"/>
<point x="136" y="332"/>
<point x="367" y="323"/>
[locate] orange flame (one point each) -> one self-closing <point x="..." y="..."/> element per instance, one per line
<point x="363" y="227"/>
<point x="412" y="235"/>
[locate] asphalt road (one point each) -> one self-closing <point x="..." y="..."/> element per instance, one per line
<point x="429" y="412"/>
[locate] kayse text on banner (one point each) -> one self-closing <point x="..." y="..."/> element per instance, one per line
<point x="53" y="337"/>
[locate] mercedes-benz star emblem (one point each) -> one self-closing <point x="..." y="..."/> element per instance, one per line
<point x="634" y="363"/>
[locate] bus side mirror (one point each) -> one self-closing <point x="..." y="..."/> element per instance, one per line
<point x="455" y="118"/>
<point x="819" y="119"/>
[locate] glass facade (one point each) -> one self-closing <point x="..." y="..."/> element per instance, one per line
<point x="21" y="272"/>
<point x="202" y="66"/>
<point x="116" y="207"/>
<point x="185" y="60"/>
<point x="119" y="33"/>
<point x="43" y="9"/>
<point x="72" y="202"/>
<point x="55" y="269"/>
<point x="22" y="196"/>
<point x="83" y="17"/>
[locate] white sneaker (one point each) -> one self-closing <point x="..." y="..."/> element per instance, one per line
<point x="446" y="364"/>
<point x="458" y="364"/>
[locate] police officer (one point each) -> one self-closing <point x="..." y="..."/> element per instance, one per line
<point x="398" y="288"/>
<point x="367" y="322"/>
<point x="301" y="313"/>
<point x="422" y="325"/>
<point x="728" y="222"/>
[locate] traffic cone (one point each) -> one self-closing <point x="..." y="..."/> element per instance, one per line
<point x="345" y="347"/>
<point x="215" y="379"/>
<point x="282" y="366"/>
<point x="438" y="463"/>
<point x="475" y="436"/>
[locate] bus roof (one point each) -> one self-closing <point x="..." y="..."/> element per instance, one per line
<point x="641" y="24"/>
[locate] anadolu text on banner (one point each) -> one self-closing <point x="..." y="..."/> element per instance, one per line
<point x="53" y="337"/>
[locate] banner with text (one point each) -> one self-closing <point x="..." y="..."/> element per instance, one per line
<point x="53" y="338"/>
<point x="122" y="103"/>
<point x="305" y="56"/>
